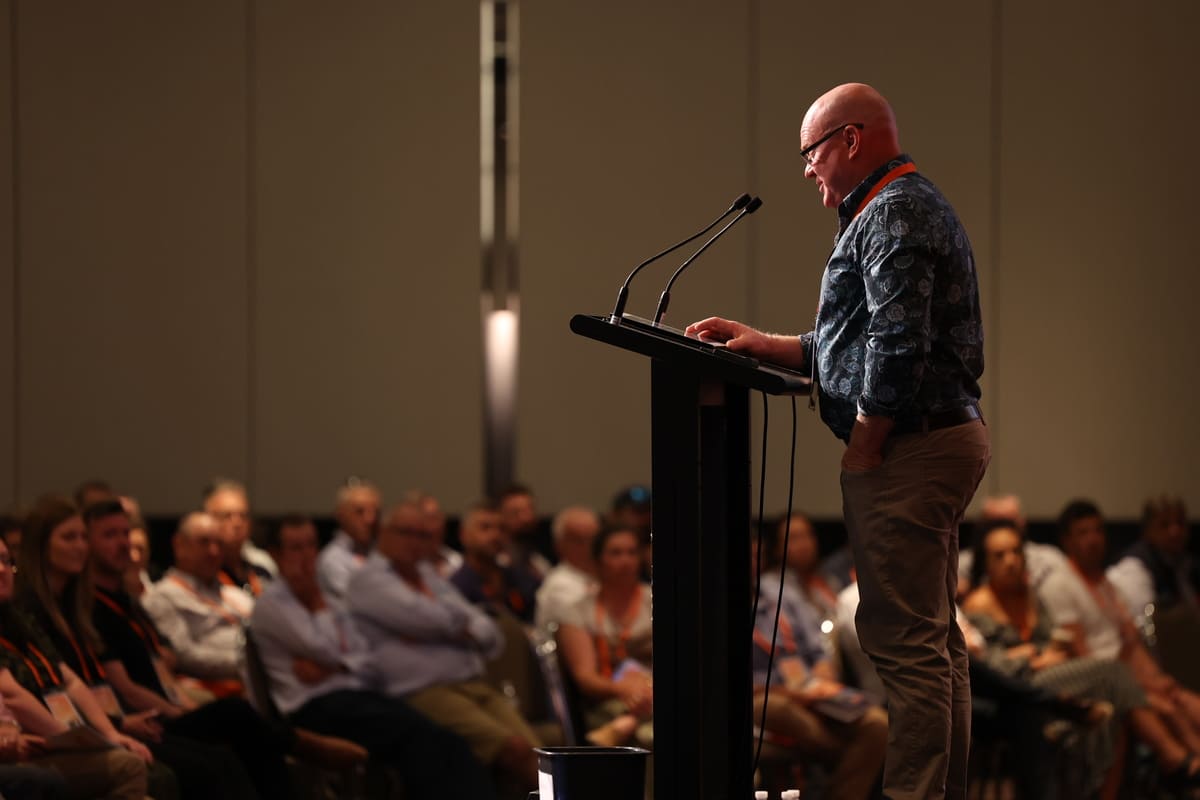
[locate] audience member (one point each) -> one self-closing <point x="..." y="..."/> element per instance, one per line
<point x="525" y="544"/>
<point x="1040" y="559"/>
<point x="20" y="780"/>
<point x="805" y="703"/>
<point x="10" y="531"/>
<point x="139" y="665"/>
<point x="55" y="591"/>
<point x="483" y="578"/>
<point x="1081" y="600"/>
<point x="445" y="560"/>
<point x="357" y="514"/>
<point x="243" y="564"/>
<point x="803" y="558"/>
<point x="631" y="510"/>
<point x="569" y="581"/>
<point x="92" y="491"/>
<point x="1020" y="642"/>
<point x="1157" y="570"/>
<point x="429" y="643"/>
<point x="142" y="572"/>
<point x="321" y="676"/>
<point x="47" y="699"/>
<point x="200" y="615"/>
<point x="607" y="644"/>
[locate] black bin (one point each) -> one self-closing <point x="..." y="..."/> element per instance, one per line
<point x="591" y="773"/>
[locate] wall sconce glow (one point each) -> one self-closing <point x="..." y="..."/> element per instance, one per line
<point x="500" y="331"/>
<point x="500" y="364"/>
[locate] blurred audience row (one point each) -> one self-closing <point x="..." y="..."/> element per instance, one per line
<point x="202" y="680"/>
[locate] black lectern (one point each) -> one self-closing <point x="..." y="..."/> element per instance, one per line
<point x="700" y="429"/>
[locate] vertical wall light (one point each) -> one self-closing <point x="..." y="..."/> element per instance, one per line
<point x="500" y="297"/>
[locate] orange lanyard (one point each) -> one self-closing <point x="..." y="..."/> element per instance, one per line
<point x="150" y="641"/>
<point x="903" y="169"/>
<point x="251" y="578"/>
<point x="83" y="662"/>
<point x="788" y="645"/>
<point x="227" y="614"/>
<point x="12" y="648"/>
<point x="607" y="663"/>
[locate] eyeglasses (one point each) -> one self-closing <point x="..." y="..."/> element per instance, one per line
<point x="807" y="152"/>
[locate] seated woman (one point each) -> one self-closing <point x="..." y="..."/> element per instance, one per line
<point x="804" y="704"/>
<point x="55" y="592"/>
<point x="606" y="643"/>
<point x="1020" y="643"/>
<point x="32" y="683"/>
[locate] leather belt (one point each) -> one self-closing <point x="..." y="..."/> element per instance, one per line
<point x="937" y="420"/>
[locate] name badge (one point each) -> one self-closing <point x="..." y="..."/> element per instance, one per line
<point x="107" y="699"/>
<point x="62" y="708"/>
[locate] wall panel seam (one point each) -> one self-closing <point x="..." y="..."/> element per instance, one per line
<point x="251" y="265"/>
<point x="992" y="347"/>
<point x="753" y="108"/>
<point x="15" y="317"/>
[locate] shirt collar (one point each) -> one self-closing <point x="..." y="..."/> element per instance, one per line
<point x="850" y="203"/>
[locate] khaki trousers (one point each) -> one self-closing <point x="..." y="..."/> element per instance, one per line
<point x="902" y="518"/>
<point x="115" y="774"/>
<point x="478" y="713"/>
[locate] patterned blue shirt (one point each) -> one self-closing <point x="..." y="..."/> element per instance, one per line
<point x="899" y="331"/>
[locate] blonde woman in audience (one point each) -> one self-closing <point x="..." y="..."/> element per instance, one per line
<point x="1021" y="642"/>
<point x="606" y="642"/>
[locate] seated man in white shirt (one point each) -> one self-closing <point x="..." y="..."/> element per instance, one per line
<point x="568" y="582"/>
<point x="357" y="514"/>
<point x="321" y="678"/>
<point x="1081" y="600"/>
<point x="429" y="645"/>
<point x="201" y="616"/>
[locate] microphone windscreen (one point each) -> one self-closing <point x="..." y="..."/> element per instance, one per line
<point x="740" y="203"/>
<point x="753" y="205"/>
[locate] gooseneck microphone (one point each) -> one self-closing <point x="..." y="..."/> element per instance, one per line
<point x="623" y="294"/>
<point x="665" y="299"/>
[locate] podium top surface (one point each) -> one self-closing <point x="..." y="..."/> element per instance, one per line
<point x="672" y="345"/>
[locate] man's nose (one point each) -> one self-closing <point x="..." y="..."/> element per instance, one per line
<point x="809" y="172"/>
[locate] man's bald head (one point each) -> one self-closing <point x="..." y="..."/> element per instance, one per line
<point x="197" y="546"/>
<point x="864" y="138"/>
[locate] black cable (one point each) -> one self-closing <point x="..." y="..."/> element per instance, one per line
<point x="787" y="529"/>
<point x="762" y="484"/>
<point x="762" y="492"/>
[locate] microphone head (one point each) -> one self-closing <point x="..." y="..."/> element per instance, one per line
<point x="740" y="203"/>
<point x="753" y="205"/>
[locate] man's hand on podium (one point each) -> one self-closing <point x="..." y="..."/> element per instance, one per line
<point x="738" y="337"/>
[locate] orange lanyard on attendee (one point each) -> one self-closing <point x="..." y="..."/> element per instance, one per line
<point x="251" y="579"/>
<point x="83" y="661"/>
<point x="146" y="633"/>
<point x="229" y="615"/>
<point x="787" y="645"/>
<point x="603" y="656"/>
<point x="903" y="169"/>
<point x="12" y="648"/>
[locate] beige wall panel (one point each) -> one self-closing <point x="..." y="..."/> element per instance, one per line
<point x="366" y="313"/>
<point x="133" y="304"/>
<point x="1097" y="278"/>
<point x="634" y="135"/>
<point x="934" y="66"/>
<point x="8" y="298"/>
